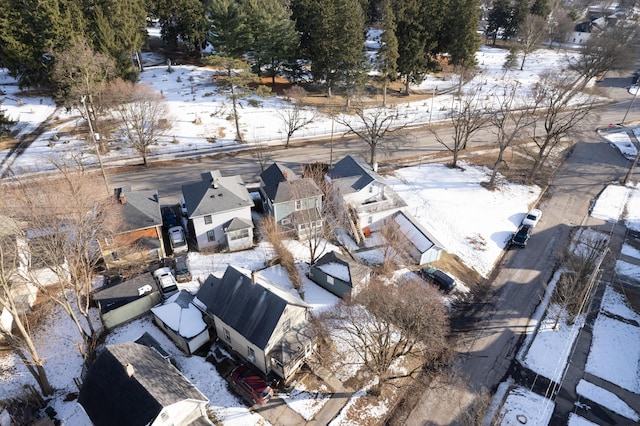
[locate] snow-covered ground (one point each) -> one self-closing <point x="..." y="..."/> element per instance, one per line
<point x="433" y="194"/>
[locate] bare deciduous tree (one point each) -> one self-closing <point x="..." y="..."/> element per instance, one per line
<point x="144" y="115"/>
<point x="465" y="120"/>
<point x="82" y="73"/>
<point x="21" y="341"/>
<point x="386" y="322"/>
<point x="561" y="107"/>
<point x="580" y="271"/>
<point x="560" y="27"/>
<point x="511" y="117"/>
<point x="373" y="126"/>
<point x="66" y="216"/>
<point x="531" y="32"/>
<point x="393" y="253"/>
<point x="297" y="116"/>
<point x="610" y="49"/>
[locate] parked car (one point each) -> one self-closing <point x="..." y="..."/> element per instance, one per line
<point x="532" y="218"/>
<point x="251" y="386"/>
<point x="166" y="281"/>
<point x="181" y="269"/>
<point x="178" y="240"/>
<point x="522" y="235"/>
<point x="169" y="219"/>
<point x="444" y="281"/>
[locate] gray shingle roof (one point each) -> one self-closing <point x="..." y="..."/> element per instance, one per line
<point x="253" y="310"/>
<point x="282" y="185"/>
<point x="202" y="198"/>
<point x="115" y="296"/>
<point x="111" y="397"/>
<point x="237" y="224"/>
<point x="141" y="209"/>
<point x="357" y="271"/>
<point x="354" y="173"/>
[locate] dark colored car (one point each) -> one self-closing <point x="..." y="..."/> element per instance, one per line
<point x="520" y="238"/>
<point x="168" y="217"/>
<point x="444" y="281"/>
<point x="251" y="386"/>
<point x="181" y="269"/>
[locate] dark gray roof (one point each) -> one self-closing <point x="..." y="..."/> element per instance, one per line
<point x="117" y="295"/>
<point x="354" y="173"/>
<point x="141" y="209"/>
<point x="237" y="224"/>
<point x="147" y="340"/>
<point x="201" y="198"/>
<point x="251" y="309"/>
<point x="357" y="271"/>
<point x="111" y="397"/>
<point x="282" y="185"/>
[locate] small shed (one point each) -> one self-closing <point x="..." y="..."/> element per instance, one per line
<point x="421" y="246"/>
<point x="128" y="300"/>
<point x="339" y="274"/>
<point x="182" y="321"/>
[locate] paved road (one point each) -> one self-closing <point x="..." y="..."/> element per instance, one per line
<point x="487" y="351"/>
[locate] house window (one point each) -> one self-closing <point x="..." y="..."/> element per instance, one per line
<point x="227" y="335"/>
<point x="329" y="280"/>
<point x="211" y="236"/>
<point x="208" y="220"/>
<point x="252" y="354"/>
<point x="371" y="189"/>
<point x="286" y="221"/>
<point x="298" y="204"/>
<point x="237" y="235"/>
<point x="114" y="256"/>
<point x="287" y="325"/>
<point x="370" y="220"/>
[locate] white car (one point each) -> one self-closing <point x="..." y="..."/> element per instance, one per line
<point x="166" y="281"/>
<point x="532" y="218"/>
<point x="177" y="240"/>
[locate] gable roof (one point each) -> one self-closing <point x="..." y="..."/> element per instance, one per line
<point x="140" y="209"/>
<point x="337" y="265"/>
<point x="352" y="175"/>
<point x="422" y="239"/>
<point x="281" y="184"/>
<point x="237" y="224"/>
<point x="111" y="396"/>
<point x="117" y="295"/>
<point x="215" y="194"/>
<point x="251" y="309"/>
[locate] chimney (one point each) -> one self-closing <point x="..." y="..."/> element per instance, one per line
<point x="284" y="173"/>
<point x="375" y="167"/>
<point x="215" y="183"/>
<point x="254" y="277"/>
<point x="122" y="198"/>
<point x="130" y="370"/>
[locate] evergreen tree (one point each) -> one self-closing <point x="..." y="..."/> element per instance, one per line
<point x="412" y="59"/>
<point x="519" y="12"/>
<point x="498" y="19"/>
<point x="29" y="29"/>
<point x="540" y="8"/>
<point x="229" y="32"/>
<point x="275" y="41"/>
<point x="462" y="40"/>
<point x="387" y="58"/>
<point x="5" y="123"/>
<point x="119" y="30"/>
<point x="182" y="19"/>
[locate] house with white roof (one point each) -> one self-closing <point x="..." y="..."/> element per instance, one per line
<point x="419" y="244"/>
<point x="218" y="211"/>
<point x="339" y="274"/>
<point x="182" y="321"/>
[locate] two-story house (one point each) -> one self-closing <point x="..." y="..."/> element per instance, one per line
<point x="140" y="237"/>
<point x="364" y="195"/>
<point x="261" y="322"/>
<point x="295" y="203"/>
<point x="218" y="210"/>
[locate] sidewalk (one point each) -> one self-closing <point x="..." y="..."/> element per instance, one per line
<point x="339" y="397"/>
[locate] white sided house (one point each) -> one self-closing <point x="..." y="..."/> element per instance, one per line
<point x="262" y="323"/>
<point x="365" y="196"/>
<point x="218" y="210"/>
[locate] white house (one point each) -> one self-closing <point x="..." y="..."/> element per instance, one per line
<point x="421" y="246"/>
<point x="365" y="196"/>
<point x="218" y="210"/>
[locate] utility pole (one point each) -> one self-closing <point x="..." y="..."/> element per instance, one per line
<point x="95" y="144"/>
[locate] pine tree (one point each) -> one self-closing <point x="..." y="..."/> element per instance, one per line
<point x="498" y="19"/>
<point x="387" y="59"/>
<point x="462" y="40"/>
<point x="182" y="19"/>
<point x="5" y="123"/>
<point x="230" y="34"/>
<point x="540" y="8"/>
<point x="413" y="60"/>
